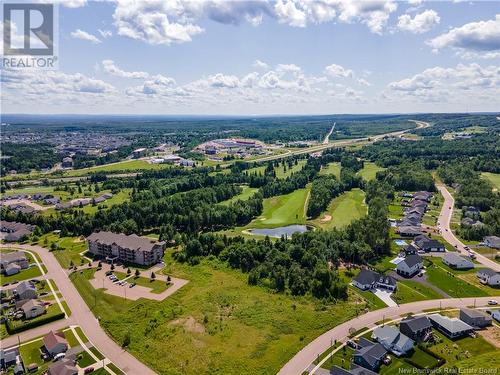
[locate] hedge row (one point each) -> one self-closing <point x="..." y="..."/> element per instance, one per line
<point x="36" y="323"/>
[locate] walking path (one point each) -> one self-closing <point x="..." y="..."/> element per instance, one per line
<point x="327" y="138"/>
<point x="81" y="315"/>
<point x="444" y="223"/>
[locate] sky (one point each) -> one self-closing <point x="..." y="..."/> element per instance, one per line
<point x="265" y="57"/>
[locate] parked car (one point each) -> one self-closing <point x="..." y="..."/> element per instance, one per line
<point x="109" y="273"/>
<point x="88" y="370"/>
<point x="131" y="285"/>
<point x="59" y="356"/>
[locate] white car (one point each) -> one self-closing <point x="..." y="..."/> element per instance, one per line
<point x="492" y="302"/>
<point x="59" y="356"/>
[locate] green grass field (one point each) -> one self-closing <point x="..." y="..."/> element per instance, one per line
<point x="331" y="168"/>
<point x="205" y="321"/>
<point x="256" y="170"/>
<point x="282" y="210"/>
<point x="345" y="208"/>
<point x="450" y="283"/>
<point x="412" y="291"/>
<point x="28" y="273"/>
<point x="68" y="248"/>
<point x="125" y="166"/>
<point x="369" y="170"/>
<point x="156" y="286"/>
<point x="247" y="193"/>
<point x="494" y="179"/>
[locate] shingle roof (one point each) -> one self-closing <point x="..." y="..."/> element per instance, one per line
<point x="487" y="271"/>
<point x="454" y="259"/>
<point x="366" y="276"/>
<point x="417" y="323"/>
<point x="453" y="325"/>
<point x="13" y="256"/>
<point x="473" y="313"/>
<point x="132" y="241"/>
<point x="51" y="339"/>
<point x="23" y="286"/>
<point x="371" y="352"/>
<point x="31" y="304"/>
<point x="411" y="260"/>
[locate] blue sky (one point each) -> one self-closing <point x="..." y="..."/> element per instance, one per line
<point x="266" y="57"/>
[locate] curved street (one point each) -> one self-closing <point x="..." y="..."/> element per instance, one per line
<point x="80" y="315"/>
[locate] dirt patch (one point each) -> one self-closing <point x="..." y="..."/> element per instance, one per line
<point x="326" y="218"/>
<point x="190" y="324"/>
<point x="492" y="335"/>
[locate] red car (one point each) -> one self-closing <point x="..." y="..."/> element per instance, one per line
<point x="88" y="370"/>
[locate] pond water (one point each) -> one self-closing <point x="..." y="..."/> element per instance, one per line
<point x="280" y="231"/>
<point x="400" y="242"/>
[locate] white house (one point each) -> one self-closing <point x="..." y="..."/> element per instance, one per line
<point x="393" y="340"/>
<point x="456" y="261"/>
<point x="489" y="277"/>
<point x="410" y="265"/>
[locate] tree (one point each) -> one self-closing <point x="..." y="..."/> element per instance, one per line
<point x="126" y="340"/>
<point x="112" y="267"/>
<point x="137" y="273"/>
<point x="153" y="276"/>
<point x="129" y="271"/>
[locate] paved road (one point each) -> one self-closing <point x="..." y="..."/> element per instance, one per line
<point x="347" y="142"/>
<point x="301" y="361"/>
<point x="327" y="138"/>
<point x="444" y="223"/>
<point x="81" y="315"/>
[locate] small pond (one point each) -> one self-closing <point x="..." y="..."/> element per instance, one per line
<point x="280" y="231"/>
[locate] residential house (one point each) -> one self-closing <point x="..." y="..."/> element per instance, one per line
<point x="408" y="222"/>
<point x="393" y="340"/>
<point x="417" y="328"/>
<point x="470" y="211"/>
<point x="451" y="327"/>
<point x="475" y="318"/>
<point x="63" y="367"/>
<point x="426" y="244"/>
<point x="368" y="279"/>
<point x="495" y="314"/>
<point x="355" y="370"/>
<point x="489" y="277"/>
<point x="423" y="196"/>
<point x="369" y="354"/>
<point x="457" y="262"/>
<point x="492" y="241"/>
<point x="67" y="162"/>
<point x="16" y="231"/>
<point x="410" y="266"/>
<point x="25" y="290"/>
<point x="8" y="358"/>
<point x="55" y="343"/>
<point x="130" y="249"/>
<point x="12" y="269"/>
<point x="15" y="257"/>
<point x="410" y="250"/>
<point x="33" y="308"/>
<point x="410" y="230"/>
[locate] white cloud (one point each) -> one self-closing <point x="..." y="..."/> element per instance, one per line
<point x="335" y="70"/>
<point x="415" y="2"/>
<point x="451" y="84"/>
<point x="80" y="34"/>
<point x="260" y="64"/>
<point x="105" y="33"/>
<point x="478" y="37"/>
<point x="421" y="23"/>
<point x="110" y="67"/>
<point x="220" y="80"/>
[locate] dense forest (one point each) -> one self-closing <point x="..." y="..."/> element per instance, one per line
<point x="22" y="158"/>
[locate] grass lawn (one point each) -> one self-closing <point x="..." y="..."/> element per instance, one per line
<point x="80" y="334"/>
<point x="70" y="337"/>
<point x="118" y="198"/>
<point x="30" y="353"/>
<point x="342" y="358"/>
<point x="494" y="179"/>
<point x="490" y="360"/>
<point x="282" y="172"/>
<point x="216" y="319"/>
<point x="434" y="207"/>
<point x="331" y="168"/>
<point x="28" y="273"/>
<point x="371" y="299"/>
<point x="126" y="166"/>
<point x="68" y="248"/>
<point x="256" y="170"/>
<point x="96" y="352"/>
<point x="450" y="283"/>
<point x="51" y="310"/>
<point x="156" y="286"/>
<point x="246" y="194"/>
<point x="84" y="359"/>
<point x="412" y="291"/>
<point x="471" y="278"/>
<point x="369" y="170"/>
<point x="345" y="208"/>
<point x="115" y="369"/>
<point x="282" y="210"/>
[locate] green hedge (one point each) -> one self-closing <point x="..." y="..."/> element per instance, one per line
<point x="36" y="323"/>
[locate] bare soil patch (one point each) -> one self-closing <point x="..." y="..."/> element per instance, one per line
<point x="326" y="218"/>
<point x="190" y="324"/>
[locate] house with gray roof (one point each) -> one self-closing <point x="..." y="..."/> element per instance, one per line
<point x="129" y="249"/>
<point x="410" y="265"/>
<point x="427" y="244"/>
<point x="33" y="308"/>
<point x="475" y="318"/>
<point x="418" y="328"/>
<point x="393" y="340"/>
<point x="25" y="290"/>
<point x="369" y="354"/>
<point x="410" y="230"/>
<point x="489" y="277"/>
<point x="355" y="370"/>
<point x="368" y="279"/>
<point x="458" y="262"/>
<point x="451" y="327"/>
<point x="492" y="241"/>
<point x="13" y="258"/>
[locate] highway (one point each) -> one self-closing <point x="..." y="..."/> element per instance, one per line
<point x="80" y="315"/>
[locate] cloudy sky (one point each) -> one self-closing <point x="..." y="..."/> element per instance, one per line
<point x="266" y="57"/>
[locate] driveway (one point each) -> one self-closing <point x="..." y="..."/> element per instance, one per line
<point x="81" y="315"/>
<point x="385" y="296"/>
